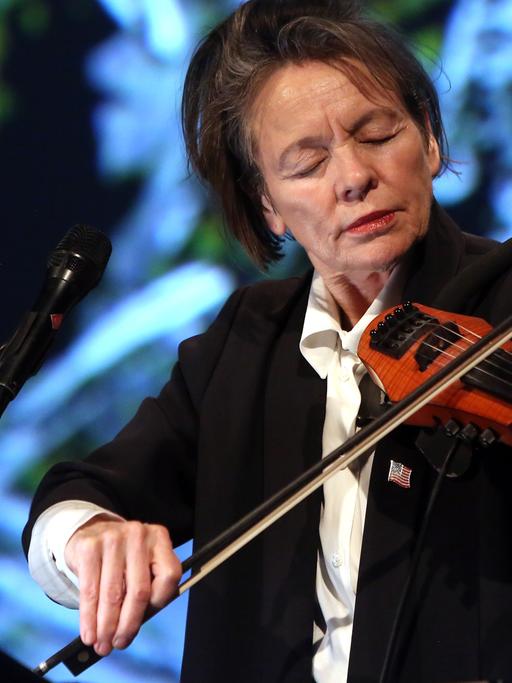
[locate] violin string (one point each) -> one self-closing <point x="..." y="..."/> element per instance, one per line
<point x="485" y="367"/>
<point x="478" y="336"/>
<point x="502" y="366"/>
<point x="488" y="361"/>
<point x="456" y="332"/>
<point x="437" y="361"/>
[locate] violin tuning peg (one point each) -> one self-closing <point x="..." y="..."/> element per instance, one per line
<point x="487" y="438"/>
<point x="409" y="307"/>
<point x="469" y="433"/>
<point x="452" y="428"/>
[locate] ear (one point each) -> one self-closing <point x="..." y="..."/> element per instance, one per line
<point x="433" y="153"/>
<point x="274" y="220"/>
<point x="434" y="156"/>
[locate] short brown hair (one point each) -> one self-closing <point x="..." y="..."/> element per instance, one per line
<point x="234" y="59"/>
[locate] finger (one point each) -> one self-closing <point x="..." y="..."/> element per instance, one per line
<point x="138" y="586"/>
<point x="166" y="570"/>
<point x="112" y="590"/>
<point x="88" y="571"/>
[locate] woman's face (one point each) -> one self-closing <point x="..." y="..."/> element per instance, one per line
<point x="350" y="178"/>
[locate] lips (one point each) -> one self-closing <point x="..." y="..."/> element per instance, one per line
<point x="372" y="221"/>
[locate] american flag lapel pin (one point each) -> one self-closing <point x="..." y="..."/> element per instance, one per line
<point x="399" y="474"/>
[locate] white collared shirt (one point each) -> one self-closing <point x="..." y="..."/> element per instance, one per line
<point x="332" y="352"/>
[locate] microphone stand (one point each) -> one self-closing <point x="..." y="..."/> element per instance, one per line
<point x="78" y="657"/>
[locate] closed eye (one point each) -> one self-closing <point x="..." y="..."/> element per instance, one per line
<point x="310" y="169"/>
<point x="379" y="140"/>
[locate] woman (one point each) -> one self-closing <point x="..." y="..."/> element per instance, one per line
<point x="308" y="119"/>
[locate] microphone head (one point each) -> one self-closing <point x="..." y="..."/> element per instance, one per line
<point x="74" y="268"/>
<point x="81" y="257"/>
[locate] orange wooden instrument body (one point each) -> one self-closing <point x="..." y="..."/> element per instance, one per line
<point x="398" y="378"/>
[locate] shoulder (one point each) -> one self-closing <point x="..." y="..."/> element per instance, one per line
<point x="261" y="303"/>
<point x="476" y="245"/>
<point x="272" y="297"/>
<point x="485" y="281"/>
<point x="474" y="273"/>
<point x="252" y="317"/>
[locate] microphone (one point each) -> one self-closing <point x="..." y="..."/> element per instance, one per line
<point x="73" y="269"/>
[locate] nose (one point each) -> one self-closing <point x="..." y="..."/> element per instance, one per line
<point x="354" y="178"/>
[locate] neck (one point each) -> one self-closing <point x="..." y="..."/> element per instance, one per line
<point x="354" y="293"/>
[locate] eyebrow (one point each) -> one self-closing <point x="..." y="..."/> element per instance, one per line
<point x="316" y="140"/>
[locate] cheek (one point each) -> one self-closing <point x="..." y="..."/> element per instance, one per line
<point x="420" y="162"/>
<point x="413" y="177"/>
<point x="301" y="204"/>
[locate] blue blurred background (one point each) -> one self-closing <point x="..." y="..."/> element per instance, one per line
<point x="89" y="131"/>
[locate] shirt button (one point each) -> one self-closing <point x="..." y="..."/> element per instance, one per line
<point x="336" y="560"/>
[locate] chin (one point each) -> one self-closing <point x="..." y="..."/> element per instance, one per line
<point x="390" y="254"/>
<point x="384" y="262"/>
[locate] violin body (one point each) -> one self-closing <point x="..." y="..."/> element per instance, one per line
<point x="404" y="346"/>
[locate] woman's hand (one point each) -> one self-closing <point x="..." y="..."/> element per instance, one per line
<point x="125" y="569"/>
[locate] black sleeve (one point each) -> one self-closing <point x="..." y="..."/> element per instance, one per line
<point x="147" y="472"/>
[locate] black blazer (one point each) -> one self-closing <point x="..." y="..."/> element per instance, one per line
<point x="241" y="416"/>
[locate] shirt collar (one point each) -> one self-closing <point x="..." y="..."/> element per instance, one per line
<point x="322" y="328"/>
